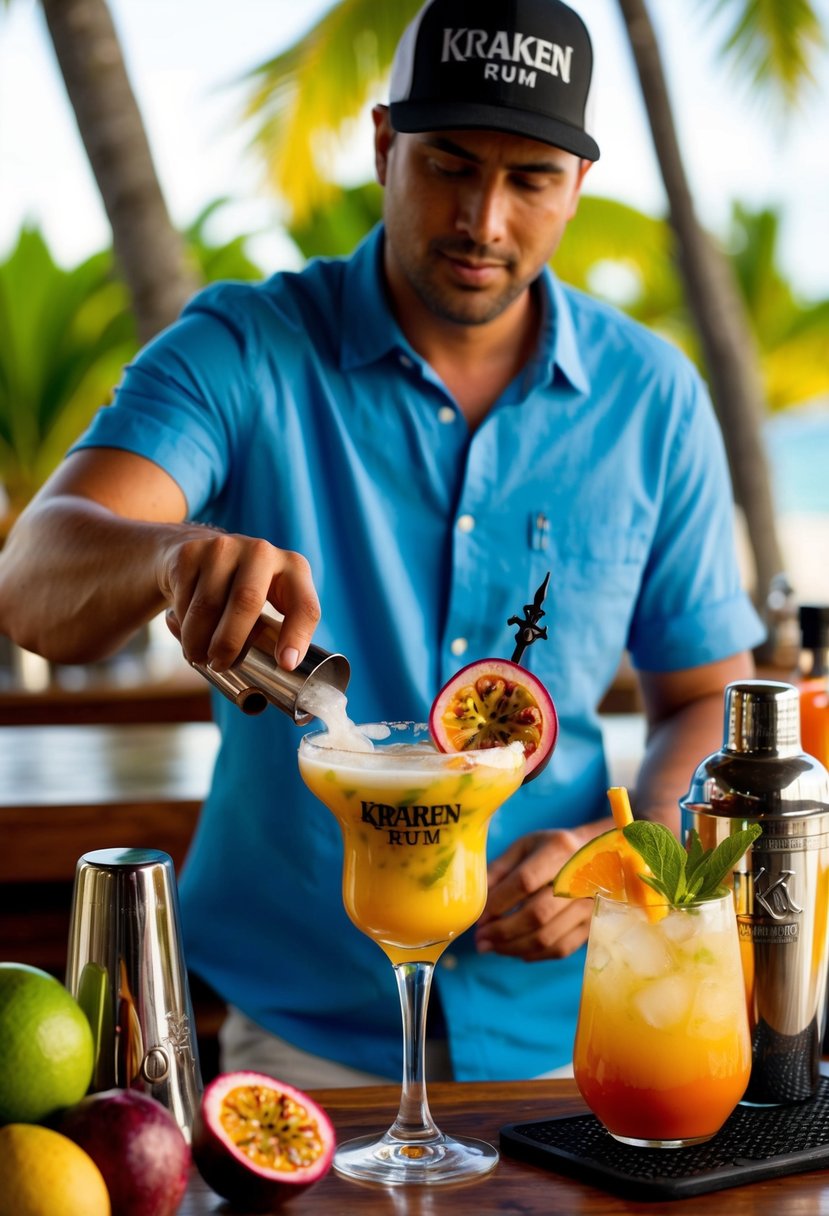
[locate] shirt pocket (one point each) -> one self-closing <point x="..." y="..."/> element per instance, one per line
<point x="595" y="577"/>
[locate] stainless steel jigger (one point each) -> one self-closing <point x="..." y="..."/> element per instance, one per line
<point x="781" y="885"/>
<point x="126" y="969"/>
<point x="256" y="680"/>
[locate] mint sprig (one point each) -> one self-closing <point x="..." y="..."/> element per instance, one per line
<point x="689" y="875"/>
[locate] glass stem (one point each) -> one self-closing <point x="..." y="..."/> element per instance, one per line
<point x="414" y="1120"/>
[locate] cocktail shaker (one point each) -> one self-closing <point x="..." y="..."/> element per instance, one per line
<point x="781" y="885"/>
<point x="125" y="966"/>
<point x="256" y="680"/>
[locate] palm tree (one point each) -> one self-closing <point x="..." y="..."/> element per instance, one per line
<point x="776" y="40"/>
<point x="303" y="97"/>
<point x="150" y="252"/>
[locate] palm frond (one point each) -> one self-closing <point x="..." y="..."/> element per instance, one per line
<point x="304" y="100"/>
<point x="772" y="44"/>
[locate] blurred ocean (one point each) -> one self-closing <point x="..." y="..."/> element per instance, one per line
<point x="797" y="445"/>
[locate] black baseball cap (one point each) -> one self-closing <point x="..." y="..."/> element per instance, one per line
<point x="521" y="66"/>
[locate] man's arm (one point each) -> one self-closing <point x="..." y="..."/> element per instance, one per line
<point x="104" y="547"/>
<point x="684" y="710"/>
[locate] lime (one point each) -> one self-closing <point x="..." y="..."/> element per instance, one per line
<point x="45" y="1174"/>
<point x="46" y="1049"/>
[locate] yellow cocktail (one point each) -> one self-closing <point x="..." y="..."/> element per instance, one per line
<point x="414" y="825"/>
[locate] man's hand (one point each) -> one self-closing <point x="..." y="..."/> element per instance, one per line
<point x="105" y="546"/>
<point x="216" y="584"/>
<point x="522" y="917"/>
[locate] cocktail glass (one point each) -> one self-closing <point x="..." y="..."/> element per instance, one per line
<point x="662" y="1053"/>
<point x="414" y="825"/>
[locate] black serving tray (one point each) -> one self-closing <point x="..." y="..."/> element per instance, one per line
<point x="754" y="1143"/>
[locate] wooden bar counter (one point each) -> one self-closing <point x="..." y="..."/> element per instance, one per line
<point x="68" y="789"/>
<point x="514" y="1188"/>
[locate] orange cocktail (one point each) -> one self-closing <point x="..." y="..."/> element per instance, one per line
<point x="662" y="1053"/>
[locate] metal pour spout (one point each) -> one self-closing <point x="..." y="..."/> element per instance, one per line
<point x="256" y="680"/>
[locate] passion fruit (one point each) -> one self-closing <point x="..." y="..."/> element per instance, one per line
<point x="258" y="1142"/>
<point x="492" y="703"/>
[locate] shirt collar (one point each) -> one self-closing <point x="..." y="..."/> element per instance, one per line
<point x="370" y="330"/>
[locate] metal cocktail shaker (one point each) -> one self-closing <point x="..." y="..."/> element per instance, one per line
<point x="125" y="967"/>
<point x="781" y="885"/>
<point x="256" y="680"/>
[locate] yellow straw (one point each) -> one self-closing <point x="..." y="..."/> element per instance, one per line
<point x="622" y="816"/>
<point x="620" y="806"/>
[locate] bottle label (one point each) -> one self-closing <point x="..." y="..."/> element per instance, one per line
<point x="778" y="935"/>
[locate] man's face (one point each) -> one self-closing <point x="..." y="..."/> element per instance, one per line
<point x="471" y="216"/>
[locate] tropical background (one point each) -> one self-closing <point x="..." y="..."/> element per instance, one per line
<point x="147" y="148"/>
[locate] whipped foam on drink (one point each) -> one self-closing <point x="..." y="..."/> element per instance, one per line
<point x="328" y="704"/>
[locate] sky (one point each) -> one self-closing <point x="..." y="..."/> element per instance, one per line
<point x="186" y="58"/>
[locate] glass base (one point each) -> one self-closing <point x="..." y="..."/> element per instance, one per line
<point x="391" y="1161"/>
<point x="685" y="1142"/>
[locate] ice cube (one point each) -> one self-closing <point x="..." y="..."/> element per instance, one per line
<point x="599" y="956"/>
<point x="714" y="1007"/>
<point x="679" y="926"/>
<point x="664" y="1002"/>
<point x="643" y="950"/>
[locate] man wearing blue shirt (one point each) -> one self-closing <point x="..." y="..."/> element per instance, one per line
<point x="393" y="451"/>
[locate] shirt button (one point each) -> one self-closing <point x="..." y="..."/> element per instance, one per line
<point x="459" y="646"/>
<point x="449" y="961"/>
<point x="446" y="414"/>
<point x="405" y="361"/>
<point x="466" y="523"/>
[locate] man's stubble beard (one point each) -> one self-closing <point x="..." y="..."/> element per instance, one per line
<point x="456" y="304"/>
<point x="463" y="306"/>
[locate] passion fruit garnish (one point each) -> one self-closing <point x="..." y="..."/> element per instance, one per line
<point x="257" y="1141"/>
<point x="492" y="703"/>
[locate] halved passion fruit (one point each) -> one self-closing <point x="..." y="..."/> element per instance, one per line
<point x="493" y="703"/>
<point x="258" y="1142"/>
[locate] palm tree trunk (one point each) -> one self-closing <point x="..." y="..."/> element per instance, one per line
<point x="150" y="252"/>
<point x="717" y="309"/>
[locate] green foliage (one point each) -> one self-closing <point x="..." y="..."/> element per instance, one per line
<point x="612" y="245"/>
<point x="686" y="876"/>
<point x="335" y="230"/>
<point x="223" y="261"/>
<point x="792" y="335"/>
<point x="64" y="336"/>
<point x="770" y="44"/>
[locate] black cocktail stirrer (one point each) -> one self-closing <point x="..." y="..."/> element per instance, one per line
<point x="529" y="630"/>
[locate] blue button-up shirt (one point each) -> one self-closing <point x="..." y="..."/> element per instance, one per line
<point x="296" y="410"/>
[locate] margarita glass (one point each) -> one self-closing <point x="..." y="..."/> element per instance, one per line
<point x="662" y="1053"/>
<point x="414" y="824"/>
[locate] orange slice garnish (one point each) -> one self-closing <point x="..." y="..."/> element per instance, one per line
<point x="609" y="865"/>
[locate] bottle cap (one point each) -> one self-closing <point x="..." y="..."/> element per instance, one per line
<point x="814" y="626"/>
